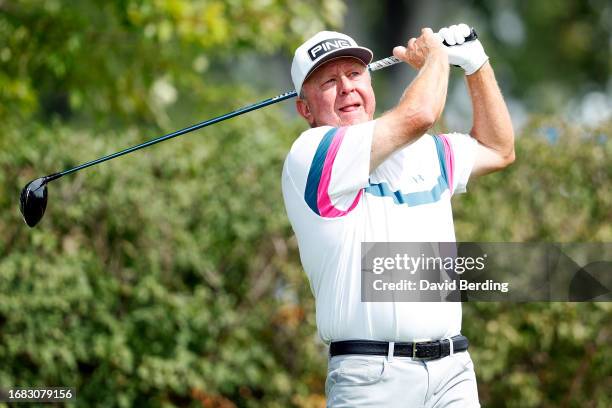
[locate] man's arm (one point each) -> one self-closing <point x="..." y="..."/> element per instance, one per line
<point x="422" y="102"/>
<point x="492" y="126"/>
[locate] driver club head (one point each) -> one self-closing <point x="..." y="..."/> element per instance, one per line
<point x="33" y="201"/>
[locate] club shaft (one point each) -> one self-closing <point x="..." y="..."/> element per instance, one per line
<point x="197" y="126"/>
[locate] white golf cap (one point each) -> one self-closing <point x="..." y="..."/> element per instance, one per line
<point x="320" y="48"/>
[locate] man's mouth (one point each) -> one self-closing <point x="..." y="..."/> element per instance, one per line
<point x="350" y="108"/>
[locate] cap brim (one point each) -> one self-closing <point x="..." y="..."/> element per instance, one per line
<point x="361" y="53"/>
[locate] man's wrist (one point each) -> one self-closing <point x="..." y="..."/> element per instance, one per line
<point x="437" y="56"/>
<point x="482" y="74"/>
<point x="473" y="68"/>
<point x="438" y="52"/>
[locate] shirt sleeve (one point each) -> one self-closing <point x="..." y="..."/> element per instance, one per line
<point x="330" y="166"/>
<point x="457" y="152"/>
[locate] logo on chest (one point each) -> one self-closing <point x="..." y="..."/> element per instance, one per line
<point x="417" y="179"/>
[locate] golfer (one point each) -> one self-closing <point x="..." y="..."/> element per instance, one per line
<point x="351" y="178"/>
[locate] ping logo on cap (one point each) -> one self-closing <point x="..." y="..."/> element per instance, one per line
<point x="325" y="46"/>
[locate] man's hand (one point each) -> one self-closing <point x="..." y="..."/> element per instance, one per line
<point x="468" y="55"/>
<point x="419" y="49"/>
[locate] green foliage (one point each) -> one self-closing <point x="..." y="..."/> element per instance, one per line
<point x="162" y="279"/>
<point x="541" y="354"/>
<point x="100" y="57"/>
<point x="563" y="49"/>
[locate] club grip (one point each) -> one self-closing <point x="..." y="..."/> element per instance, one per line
<point x="473" y="36"/>
<point x="389" y="61"/>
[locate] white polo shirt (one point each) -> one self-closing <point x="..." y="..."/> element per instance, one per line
<point x="334" y="204"/>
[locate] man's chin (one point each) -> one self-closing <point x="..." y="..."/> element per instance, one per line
<point x="353" y="118"/>
<point x="344" y="119"/>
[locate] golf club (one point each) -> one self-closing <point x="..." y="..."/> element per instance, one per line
<point x="33" y="199"/>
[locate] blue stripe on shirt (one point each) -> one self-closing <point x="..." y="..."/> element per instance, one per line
<point x="410" y="199"/>
<point x="440" y="151"/>
<point x="316" y="169"/>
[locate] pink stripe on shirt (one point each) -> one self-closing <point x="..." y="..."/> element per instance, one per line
<point x="326" y="208"/>
<point x="449" y="159"/>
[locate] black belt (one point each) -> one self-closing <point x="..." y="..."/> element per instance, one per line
<point x="427" y="350"/>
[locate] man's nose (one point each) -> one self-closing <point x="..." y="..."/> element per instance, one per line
<point x="346" y="85"/>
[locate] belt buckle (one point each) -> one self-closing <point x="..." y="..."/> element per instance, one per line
<point x="414" y="350"/>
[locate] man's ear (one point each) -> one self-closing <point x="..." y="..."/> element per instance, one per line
<point x="302" y="107"/>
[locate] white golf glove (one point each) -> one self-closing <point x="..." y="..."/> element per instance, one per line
<point x="468" y="55"/>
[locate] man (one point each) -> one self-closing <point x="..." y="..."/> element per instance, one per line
<point x="352" y="179"/>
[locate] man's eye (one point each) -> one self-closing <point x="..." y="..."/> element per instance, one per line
<point x="354" y="74"/>
<point x="329" y="81"/>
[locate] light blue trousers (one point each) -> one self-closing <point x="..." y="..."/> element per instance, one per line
<point x="356" y="381"/>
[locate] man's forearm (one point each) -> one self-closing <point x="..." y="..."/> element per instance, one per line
<point x="428" y="90"/>
<point x="492" y="124"/>
<point x="420" y="106"/>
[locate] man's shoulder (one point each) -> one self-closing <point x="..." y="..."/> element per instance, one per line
<point x="304" y="147"/>
<point x="310" y="137"/>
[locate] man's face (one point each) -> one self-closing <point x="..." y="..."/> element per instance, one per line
<point x="338" y="93"/>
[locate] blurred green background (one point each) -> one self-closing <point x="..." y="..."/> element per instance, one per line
<point x="172" y="277"/>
